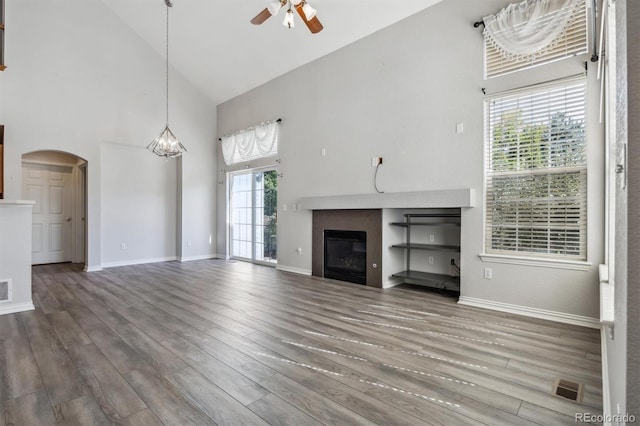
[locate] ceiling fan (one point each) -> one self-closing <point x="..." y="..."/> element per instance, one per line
<point x="304" y="9"/>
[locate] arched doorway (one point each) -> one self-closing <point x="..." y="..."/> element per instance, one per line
<point x="57" y="182"/>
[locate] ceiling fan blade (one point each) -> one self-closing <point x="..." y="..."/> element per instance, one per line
<point x="313" y="24"/>
<point x="261" y="17"/>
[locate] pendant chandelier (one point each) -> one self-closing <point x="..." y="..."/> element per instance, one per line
<point x="167" y="145"/>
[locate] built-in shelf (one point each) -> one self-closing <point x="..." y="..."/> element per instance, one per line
<point x="439" y="281"/>
<point x="413" y="275"/>
<point x="432" y="247"/>
<point x="404" y="224"/>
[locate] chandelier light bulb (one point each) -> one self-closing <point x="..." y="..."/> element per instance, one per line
<point x="288" y="19"/>
<point x="274" y="7"/>
<point x="309" y="11"/>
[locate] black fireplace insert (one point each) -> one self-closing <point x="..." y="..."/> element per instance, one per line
<point x="345" y="256"/>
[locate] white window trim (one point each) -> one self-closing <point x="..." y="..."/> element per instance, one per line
<point x="576" y="265"/>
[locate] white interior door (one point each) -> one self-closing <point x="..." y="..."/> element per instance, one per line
<point x="51" y="188"/>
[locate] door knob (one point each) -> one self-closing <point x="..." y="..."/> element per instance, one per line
<point x="68" y="219"/>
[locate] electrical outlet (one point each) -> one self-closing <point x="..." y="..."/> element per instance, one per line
<point x="123" y="246"/>
<point x="375" y="161"/>
<point x="189" y="243"/>
<point x="430" y="260"/>
<point x="432" y="238"/>
<point x="323" y="152"/>
<point x="488" y="273"/>
<point x="460" y="127"/>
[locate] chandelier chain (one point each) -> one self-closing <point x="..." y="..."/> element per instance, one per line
<point x="167" y="64"/>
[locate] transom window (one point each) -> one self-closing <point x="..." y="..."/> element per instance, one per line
<point x="572" y="41"/>
<point x="536" y="172"/>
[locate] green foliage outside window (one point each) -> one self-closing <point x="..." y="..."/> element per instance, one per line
<point x="537" y="182"/>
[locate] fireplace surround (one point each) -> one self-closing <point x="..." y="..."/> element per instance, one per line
<point x="368" y="222"/>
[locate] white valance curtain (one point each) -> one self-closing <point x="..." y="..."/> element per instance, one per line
<point x="256" y="142"/>
<point x="526" y="29"/>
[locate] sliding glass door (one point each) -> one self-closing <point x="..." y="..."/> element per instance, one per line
<point x="253" y="202"/>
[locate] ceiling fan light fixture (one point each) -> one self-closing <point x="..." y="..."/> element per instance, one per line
<point x="309" y="11"/>
<point x="288" y="19"/>
<point x="274" y="7"/>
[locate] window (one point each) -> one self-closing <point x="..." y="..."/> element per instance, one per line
<point x="573" y="41"/>
<point x="536" y="172"/>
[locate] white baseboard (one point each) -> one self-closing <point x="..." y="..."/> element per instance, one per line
<point x="88" y="268"/>
<point x="531" y="312"/>
<point x="13" y="308"/>
<point x="200" y="257"/>
<point x="293" y="269"/>
<point x="138" y="262"/>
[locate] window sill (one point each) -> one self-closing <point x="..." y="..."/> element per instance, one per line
<point x="576" y="265"/>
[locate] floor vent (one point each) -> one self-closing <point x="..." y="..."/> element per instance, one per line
<point x="4" y="290"/>
<point x="568" y="389"/>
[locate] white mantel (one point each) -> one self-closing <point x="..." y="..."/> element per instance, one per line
<point x="449" y="198"/>
<point x="15" y="254"/>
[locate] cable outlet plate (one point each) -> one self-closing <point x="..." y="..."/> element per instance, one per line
<point x="376" y="161"/>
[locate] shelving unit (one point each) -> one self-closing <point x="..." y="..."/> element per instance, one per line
<point x="429" y="279"/>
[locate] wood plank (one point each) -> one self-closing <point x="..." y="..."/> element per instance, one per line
<point x="231" y="381"/>
<point x="151" y="351"/>
<point x="278" y="412"/>
<point x="69" y="333"/>
<point x="165" y="401"/>
<point x="10" y="326"/>
<point x="112" y="393"/>
<point x="142" y="418"/>
<point x="19" y="373"/>
<point x="80" y="411"/>
<point x="211" y="400"/>
<point x="60" y="376"/>
<point x="32" y="409"/>
<point x="312" y="403"/>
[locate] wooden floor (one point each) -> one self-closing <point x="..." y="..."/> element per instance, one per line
<point x="217" y="342"/>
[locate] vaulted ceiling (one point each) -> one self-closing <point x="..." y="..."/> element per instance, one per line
<point x="214" y="46"/>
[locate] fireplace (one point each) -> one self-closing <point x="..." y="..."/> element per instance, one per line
<point x="345" y="256"/>
<point x="367" y="222"/>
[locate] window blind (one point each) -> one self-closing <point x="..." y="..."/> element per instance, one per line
<point x="574" y="41"/>
<point x="536" y="172"/>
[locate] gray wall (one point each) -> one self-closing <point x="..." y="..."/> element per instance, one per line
<point x="399" y="94"/>
<point x="623" y="351"/>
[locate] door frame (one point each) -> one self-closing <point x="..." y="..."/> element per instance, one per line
<point x="79" y="195"/>
<point x="230" y="176"/>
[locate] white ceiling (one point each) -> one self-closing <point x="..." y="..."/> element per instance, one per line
<point x="213" y="44"/>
